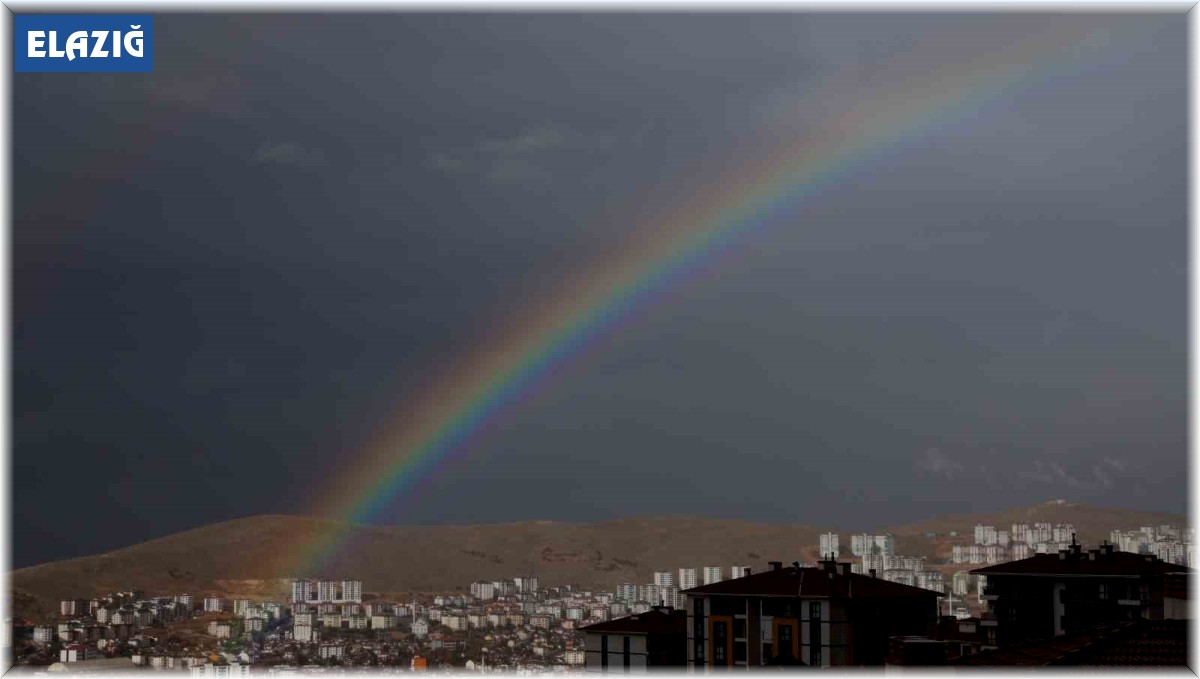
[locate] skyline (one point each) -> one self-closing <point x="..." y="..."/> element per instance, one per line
<point x="259" y="306"/>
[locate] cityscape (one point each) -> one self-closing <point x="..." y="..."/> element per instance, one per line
<point x="952" y="615"/>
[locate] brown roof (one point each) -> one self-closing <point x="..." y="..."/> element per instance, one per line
<point x="1140" y="643"/>
<point x="1114" y="564"/>
<point x="654" y="621"/>
<point x="812" y="582"/>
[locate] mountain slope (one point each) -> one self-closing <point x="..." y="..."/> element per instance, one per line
<point x="257" y="556"/>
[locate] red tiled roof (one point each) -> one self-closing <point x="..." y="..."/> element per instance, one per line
<point x="812" y="582"/>
<point x="654" y="621"/>
<point x="1114" y="564"/>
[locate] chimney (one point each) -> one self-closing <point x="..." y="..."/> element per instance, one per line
<point x="830" y="566"/>
<point x="845" y="568"/>
<point x="775" y="565"/>
<point x="872" y="572"/>
<point x="1108" y="548"/>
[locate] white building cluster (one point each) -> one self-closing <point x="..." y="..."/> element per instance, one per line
<point x="993" y="545"/>
<point x="1167" y="542"/>
<point x="864" y="544"/>
<point x="326" y="591"/>
<point x="666" y="590"/>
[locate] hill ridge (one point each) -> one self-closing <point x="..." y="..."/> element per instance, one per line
<point x="254" y="555"/>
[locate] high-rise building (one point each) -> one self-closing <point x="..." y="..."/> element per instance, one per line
<point x="829" y="545"/>
<point x="736" y="572"/>
<point x="627" y="592"/>
<point x="669" y="596"/>
<point x="664" y="578"/>
<point x="352" y="590"/>
<point x="712" y="574"/>
<point x="865" y="543"/>
<point x="483" y="590"/>
<point x="326" y="590"/>
<point x="301" y="591"/>
<point x="526" y="585"/>
<point x="649" y="593"/>
<point x="687" y="578"/>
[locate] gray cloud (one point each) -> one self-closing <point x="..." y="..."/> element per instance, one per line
<point x="288" y="153"/>
<point x="982" y="306"/>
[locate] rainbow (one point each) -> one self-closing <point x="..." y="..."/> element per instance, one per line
<point x="457" y="409"/>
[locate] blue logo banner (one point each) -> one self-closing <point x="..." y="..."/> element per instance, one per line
<point x="83" y="43"/>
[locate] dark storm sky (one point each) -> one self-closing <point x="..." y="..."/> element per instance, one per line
<point x="230" y="274"/>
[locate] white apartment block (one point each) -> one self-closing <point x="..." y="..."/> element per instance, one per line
<point x="420" y="628"/>
<point x="220" y="630"/>
<point x="526" y="585"/>
<point x="301" y="591"/>
<point x="931" y="580"/>
<point x="736" y="572"/>
<point x="902" y="577"/>
<point x="331" y="651"/>
<point x="648" y="593"/>
<point x="829" y="545"/>
<point x="209" y="669"/>
<point x="184" y="600"/>
<point x="73" y="607"/>
<point x="711" y="574"/>
<point x="687" y="578"/>
<point x="213" y="604"/>
<point x="669" y="596"/>
<point x="305" y="633"/>
<point x="44" y="634"/>
<point x="240" y="606"/>
<point x="352" y="590"/>
<point x="483" y="590"/>
<point x="664" y="578"/>
<point x="383" y="621"/>
<point x="961" y="584"/>
<point x="255" y="624"/>
<point x="985" y="535"/>
<point x="865" y="543"/>
<point x="326" y="591"/>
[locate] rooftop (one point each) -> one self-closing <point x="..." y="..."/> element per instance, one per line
<point x="658" y="620"/>
<point x="821" y="582"/>
<point x="1075" y="561"/>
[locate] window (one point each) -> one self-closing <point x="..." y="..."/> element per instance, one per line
<point x="720" y="639"/>
<point x="814" y="634"/>
<point x="739" y="628"/>
<point x="785" y="637"/>
<point x="698" y="630"/>
<point x="604" y="650"/>
<point x="626" y="655"/>
<point x="1103" y="593"/>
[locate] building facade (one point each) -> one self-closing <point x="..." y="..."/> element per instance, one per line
<point x="824" y="616"/>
